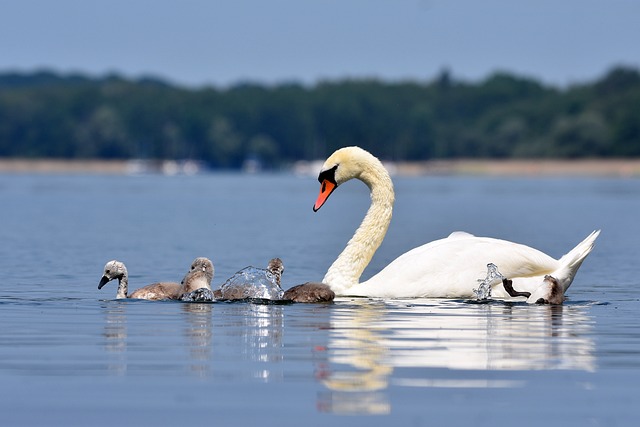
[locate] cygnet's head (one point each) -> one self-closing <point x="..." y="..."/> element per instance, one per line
<point x="112" y="270"/>
<point x="200" y="274"/>
<point x="276" y="267"/>
<point x="203" y="264"/>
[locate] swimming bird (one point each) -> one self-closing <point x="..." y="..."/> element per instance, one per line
<point x="444" y="268"/>
<point x="161" y="290"/>
<point x="310" y="292"/>
<point x="276" y="268"/>
<point x="252" y="282"/>
<point x="196" y="284"/>
<point x="199" y="276"/>
<point x="549" y="292"/>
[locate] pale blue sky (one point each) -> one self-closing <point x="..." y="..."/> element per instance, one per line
<point x="197" y="42"/>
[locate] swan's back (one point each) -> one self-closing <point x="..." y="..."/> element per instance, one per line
<point x="450" y="267"/>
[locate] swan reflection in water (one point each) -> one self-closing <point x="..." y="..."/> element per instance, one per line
<point x="357" y="343"/>
<point x="370" y="340"/>
<point x="361" y="347"/>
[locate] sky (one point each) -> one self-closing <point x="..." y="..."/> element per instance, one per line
<point x="221" y="43"/>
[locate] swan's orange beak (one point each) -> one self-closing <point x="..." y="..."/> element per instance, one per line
<point x="326" y="189"/>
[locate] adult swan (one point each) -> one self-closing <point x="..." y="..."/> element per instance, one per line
<point x="445" y="268"/>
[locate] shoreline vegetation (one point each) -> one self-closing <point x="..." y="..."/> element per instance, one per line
<point x="47" y="115"/>
<point x="622" y="168"/>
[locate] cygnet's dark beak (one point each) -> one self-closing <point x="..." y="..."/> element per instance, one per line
<point x="103" y="282"/>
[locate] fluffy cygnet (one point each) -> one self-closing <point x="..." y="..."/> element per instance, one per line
<point x="305" y="293"/>
<point x="310" y="292"/>
<point x="199" y="276"/>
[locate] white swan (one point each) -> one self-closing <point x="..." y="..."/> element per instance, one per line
<point x="199" y="276"/>
<point x="445" y="268"/>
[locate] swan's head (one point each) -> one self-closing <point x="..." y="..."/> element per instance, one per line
<point x="550" y="292"/>
<point x="345" y="164"/>
<point x="112" y="270"/>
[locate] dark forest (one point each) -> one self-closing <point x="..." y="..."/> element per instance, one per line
<point x="49" y="115"/>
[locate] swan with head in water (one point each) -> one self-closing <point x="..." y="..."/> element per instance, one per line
<point x="550" y="292"/>
<point x="199" y="276"/>
<point x="445" y="268"/>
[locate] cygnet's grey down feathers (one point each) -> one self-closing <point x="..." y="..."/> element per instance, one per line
<point x="199" y="276"/>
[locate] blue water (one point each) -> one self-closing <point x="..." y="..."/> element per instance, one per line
<point x="72" y="355"/>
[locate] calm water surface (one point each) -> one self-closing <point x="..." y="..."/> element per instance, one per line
<point x="72" y="355"/>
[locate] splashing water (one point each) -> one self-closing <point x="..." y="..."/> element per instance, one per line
<point x="199" y="295"/>
<point x="252" y="282"/>
<point x="484" y="289"/>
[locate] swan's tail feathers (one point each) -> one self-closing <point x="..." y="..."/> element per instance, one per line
<point x="572" y="260"/>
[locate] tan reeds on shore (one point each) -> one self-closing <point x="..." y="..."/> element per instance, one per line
<point x="524" y="167"/>
<point x="529" y="167"/>
<point x="56" y="166"/>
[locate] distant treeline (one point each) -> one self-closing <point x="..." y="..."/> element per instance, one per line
<point x="47" y="115"/>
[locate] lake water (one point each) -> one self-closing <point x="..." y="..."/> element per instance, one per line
<point x="72" y="355"/>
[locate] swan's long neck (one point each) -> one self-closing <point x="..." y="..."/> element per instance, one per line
<point x="346" y="270"/>
<point x="123" y="286"/>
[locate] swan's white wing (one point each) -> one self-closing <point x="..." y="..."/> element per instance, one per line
<point x="460" y="235"/>
<point x="451" y="267"/>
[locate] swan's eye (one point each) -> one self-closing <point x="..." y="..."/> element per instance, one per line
<point x="108" y="271"/>
<point x="329" y="175"/>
